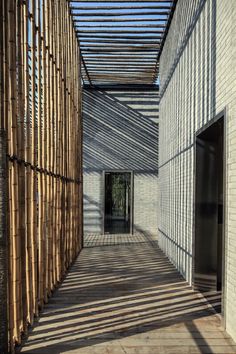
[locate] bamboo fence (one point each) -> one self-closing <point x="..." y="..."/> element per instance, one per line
<point x="41" y="114"/>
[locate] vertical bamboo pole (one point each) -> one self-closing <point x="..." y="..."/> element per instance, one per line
<point x="3" y="202"/>
<point x="41" y="265"/>
<point x="40" y="105"/>
<point x="13" y="148"/>
<point x="28" y="171"/>
<point x="3" y="247"/>
<point x="2" y="125"/>
<point x="21" y="143"/>
<point x="57" y="153"/>
<point x="3" y="235"/>
<point x="48" y="155"/>
<point x="6" y="123"/>
<point x="44" y="152"/>
<point x="80" y="156"/>
<point x="50" y="147"/>
<point x="33" y="159"/>
<point x="64" y="136"/>
<point x="53" y="137"/>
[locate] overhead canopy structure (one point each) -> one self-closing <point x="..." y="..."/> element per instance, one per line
<point x="121" y="41"/>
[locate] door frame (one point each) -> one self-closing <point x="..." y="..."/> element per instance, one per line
<point x="222" y="114"/>
<point x="131" y="196"/>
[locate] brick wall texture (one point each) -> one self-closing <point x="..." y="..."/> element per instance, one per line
<point x="197" y="81"/>
<point x="120" y="132"/>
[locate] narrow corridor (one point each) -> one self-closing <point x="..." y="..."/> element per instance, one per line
<point x="122" y="295"/>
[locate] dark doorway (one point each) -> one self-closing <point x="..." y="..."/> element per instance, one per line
<point x="209" y="222"/>
<point x="117" y="202"/>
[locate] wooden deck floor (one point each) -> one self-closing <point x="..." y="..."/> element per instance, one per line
<point x="122" y="296"/>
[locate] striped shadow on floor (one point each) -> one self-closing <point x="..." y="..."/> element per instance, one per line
<point x="126" y="298"/>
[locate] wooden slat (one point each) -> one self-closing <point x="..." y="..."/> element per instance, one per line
<point x="135" y="27"/>
<point x="151" y="53"/>
<point x="129" y="46"/>
<point x="118" y="14"/>
<point x="124" y="36"/>
<point x="121" y="64"/>
<point x="118" y="41"/>
<point x="121" y="20"/>
<point x="120" y="69"/>
<point x="118" y="7"/>
<point x="104" y="32"/>
<point x="123" y="1"/>
<point x="121" y="56"/>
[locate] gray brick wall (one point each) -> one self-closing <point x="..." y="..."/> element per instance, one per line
<point x="120" y="132"/>
<point x="197" y="69"/>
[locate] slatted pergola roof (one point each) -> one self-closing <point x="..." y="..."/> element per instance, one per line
<point x="121" y="41"/>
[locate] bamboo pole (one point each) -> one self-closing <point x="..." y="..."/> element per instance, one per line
<point x="21" y="152"/>
<point x="28" y="171"/>
<point x="48" y="193"/>
<point x="13" y="149"/>
<point x="40" y="101"/>
<point x="3" y="201"/>
<point x="40" y="162"/>
<point x="5" y="122"/>
<point x="43" y="236"/>
<point x="33" y="159"/>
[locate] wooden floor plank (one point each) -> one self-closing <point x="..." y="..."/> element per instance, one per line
<point x="122" y="295"/>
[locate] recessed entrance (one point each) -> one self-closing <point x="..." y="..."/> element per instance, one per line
<point x="118" y="206"/>
<point x="209" y="221"/>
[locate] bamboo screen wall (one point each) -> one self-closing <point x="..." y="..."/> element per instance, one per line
<point x="41" y="114"/>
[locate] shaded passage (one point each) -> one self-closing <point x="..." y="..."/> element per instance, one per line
<point x="127" y="298"/>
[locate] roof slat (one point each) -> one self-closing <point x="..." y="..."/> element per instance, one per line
<point x="118" y="7"/>
<point x="125" y="1"/>
<point x="120" y="20"/>
<point x="120" y="41"/>
<point x="134" y="27"/>
<point x="117" y="14"/>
